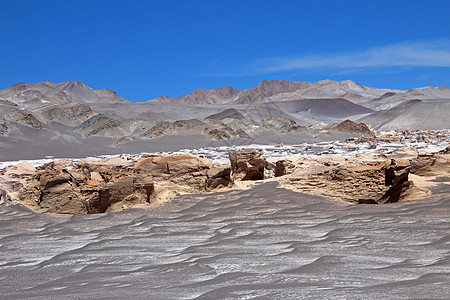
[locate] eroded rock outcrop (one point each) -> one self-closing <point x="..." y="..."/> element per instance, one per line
<point x="351" y="127"/>
<point x="247" y="165"/>
<point x="281" y="125"/>
<point x="70" y="114"/>
<point x="371" y="183"/>
<point x="355" y="184"/>
<point x="218" y="177"/>
<point x="396" y="176"/>
<point x="126" y="191"/>
<point x="59" y="191"/>
<point x="91" y="185"/>
<point x="66" y="187"/>
<point x="3" y="126"/>
<point x="283" y="167"/>
<point x="12" y="113"/>
<point x="97" y="186"/>
<point x="436" y="164"/>
<point x="185" y="170"/>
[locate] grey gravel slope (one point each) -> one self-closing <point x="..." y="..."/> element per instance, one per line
<point x="415" y="114"/>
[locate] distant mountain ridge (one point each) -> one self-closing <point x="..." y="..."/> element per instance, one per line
<point x="46" y="93"/>
<point x="282" y="90"/>
<point x="388" y="101"/>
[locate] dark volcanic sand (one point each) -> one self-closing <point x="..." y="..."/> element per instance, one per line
<point x="37" y="144"/>
<point x="264" y="243"/>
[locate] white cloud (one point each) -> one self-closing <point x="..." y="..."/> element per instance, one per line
<point x="430" y="54"/>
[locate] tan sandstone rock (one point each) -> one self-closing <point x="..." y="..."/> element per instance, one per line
<point x="247" y="165"/>
<point x="218" y="177"/>
<point x="97" y="186"/>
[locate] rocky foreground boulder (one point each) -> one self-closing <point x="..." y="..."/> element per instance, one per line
<point x="372" y="183"/>
<point x="382" y="177"/>
<point x="97" y="186"/>
<point x="247" y="165"/>
<point x="432" y="165"/>
<point x="92" y="185"/>
<point x="396" y="178"/>
<point x="65" y="187"/>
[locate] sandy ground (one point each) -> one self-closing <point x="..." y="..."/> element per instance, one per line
<point x="60" y="142"/>
<point x="265" y="243"/>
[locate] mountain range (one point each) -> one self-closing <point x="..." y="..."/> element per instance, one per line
<point x="72" y="114"/>
<point x="45" y="93"/>
<point x="282" y="90"/>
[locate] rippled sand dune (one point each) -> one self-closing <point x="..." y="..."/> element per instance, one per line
<point x="263" y="243"/>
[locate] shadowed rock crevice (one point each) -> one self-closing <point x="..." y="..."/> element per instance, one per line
<point x="396" y="176"/>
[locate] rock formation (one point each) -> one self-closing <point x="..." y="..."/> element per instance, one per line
<point x="10" y="112"/>
<point x="214" y="129"/>
<point x="395" y="176"/>
<point x="3" y="126"/>
<point x="283" y="167"/>
<point x="359" y="184"/>
<point x="218" y="177"/>
<point x="96" y="186"/>
<point x="71" y="114"/>
<point x="371" y="182"/>
<point x="351" y="127"/>
<point x="281" y="125"/>
<point x="436" y="164"/>
<point x="247" y="165"/>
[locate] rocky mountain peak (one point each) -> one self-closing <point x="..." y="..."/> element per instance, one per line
<point x="47" y="83"/>
<point x="279" y="84"/>
<point x="45" y="93"/>
<point x="74" y="83"/>
<point x="207" y="96"/>
<point x="268" y="88"/>
<point x="20" y="86"/>
<point x="163" y="98"/>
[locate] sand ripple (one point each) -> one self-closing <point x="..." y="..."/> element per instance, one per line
<point x="264" y="243"/>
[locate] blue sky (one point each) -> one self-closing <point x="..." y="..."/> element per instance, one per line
<point x="144" y="49"/>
